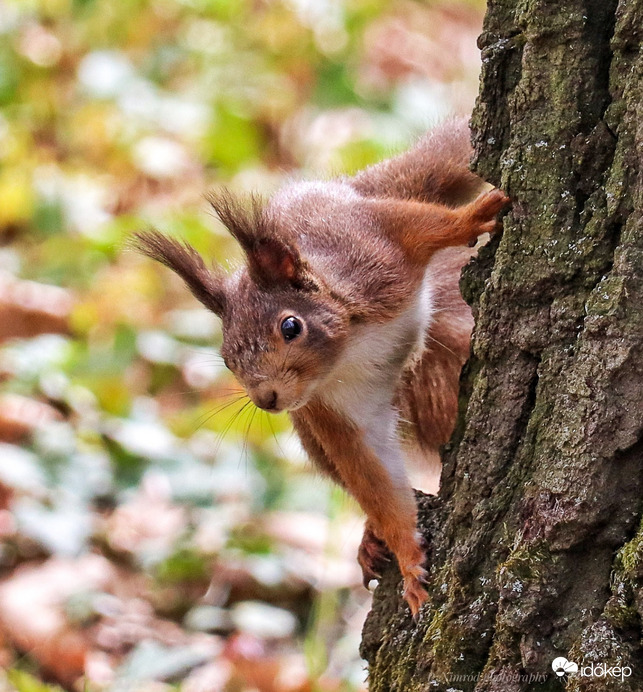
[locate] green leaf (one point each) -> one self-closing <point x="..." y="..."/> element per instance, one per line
<point x="185" y="565"/>
<point x="24" y="682"/>
<point x="233" y="142"/>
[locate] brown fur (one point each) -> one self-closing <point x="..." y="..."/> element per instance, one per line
<point x="432" y="171"/>
<point x="428" y="392"/>
<point x="389" y="506"/>
<point x="361" y="265"/>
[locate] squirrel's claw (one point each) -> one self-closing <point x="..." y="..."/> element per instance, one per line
<point x="415" y="578"/>
<point x="373" y="555"/>
<point x="414" y="592"/>
<point x="486" y="207"/>
<point x="489" y="203"/>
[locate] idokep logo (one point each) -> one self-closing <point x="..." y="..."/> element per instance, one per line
<point x="561" y="666"/>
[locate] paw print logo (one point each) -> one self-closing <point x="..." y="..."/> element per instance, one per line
<point x="561" y="665"/>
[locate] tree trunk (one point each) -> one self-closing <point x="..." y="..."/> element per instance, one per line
<point x="535" y="539"/>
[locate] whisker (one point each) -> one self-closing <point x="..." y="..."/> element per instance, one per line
<point x="205" y="417"/>
<point x="246" y="446"/>
<point x="283" y="365"/>
<point x="274" y="435"/>
<point x="228" y="425"/>
<point x="439" y="343"/>
<point x="205" y="353"/>
<point x="207" y="358"/>
<point x="294" y="364"/>
<point x="217" y="394"/>
<point x="445" y="309"/>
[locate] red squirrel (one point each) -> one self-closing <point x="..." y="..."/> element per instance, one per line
<point x="347" y="314"/>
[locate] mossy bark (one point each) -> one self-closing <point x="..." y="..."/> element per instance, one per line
<point x="535" y="540"/>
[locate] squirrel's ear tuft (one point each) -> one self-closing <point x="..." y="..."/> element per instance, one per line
<point x="273" y="259"/>
<point x="207" y="285"/>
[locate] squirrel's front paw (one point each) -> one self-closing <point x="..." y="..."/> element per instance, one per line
<point x="373" y="555"/>
<point x="485" y="208"/>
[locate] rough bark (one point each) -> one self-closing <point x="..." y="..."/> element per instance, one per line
<point x="535" y="539"/>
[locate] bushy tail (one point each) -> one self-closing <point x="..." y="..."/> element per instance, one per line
<point x="436" y="169"/>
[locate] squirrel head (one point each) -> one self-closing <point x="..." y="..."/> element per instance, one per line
<point x="282" y="329"/>
<point x="280" y="342"/>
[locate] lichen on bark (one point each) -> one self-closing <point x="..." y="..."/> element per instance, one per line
<point x="535" y="538"/>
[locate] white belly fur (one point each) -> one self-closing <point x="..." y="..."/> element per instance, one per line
<point x="362" y="384"/>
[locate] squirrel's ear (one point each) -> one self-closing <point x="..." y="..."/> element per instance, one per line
<point x="272" y="261"/>
<point x="272" y="258"/>
<point x="207" y="285"/>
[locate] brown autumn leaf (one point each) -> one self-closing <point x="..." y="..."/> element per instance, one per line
<point x="29" y="308"/>
<point x="149" y="521"/>
<point x="19" y="415"/>
<point x="264" y="667"/>
<point x="32" y="611"/>
<point x="436" y="41"/>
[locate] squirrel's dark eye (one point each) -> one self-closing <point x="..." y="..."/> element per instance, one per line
<point x="290" y="328"/>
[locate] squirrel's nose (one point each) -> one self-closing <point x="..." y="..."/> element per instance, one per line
<point x="267" y="400"/>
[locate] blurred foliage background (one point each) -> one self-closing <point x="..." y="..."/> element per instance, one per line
<point x="156" y="533"/>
